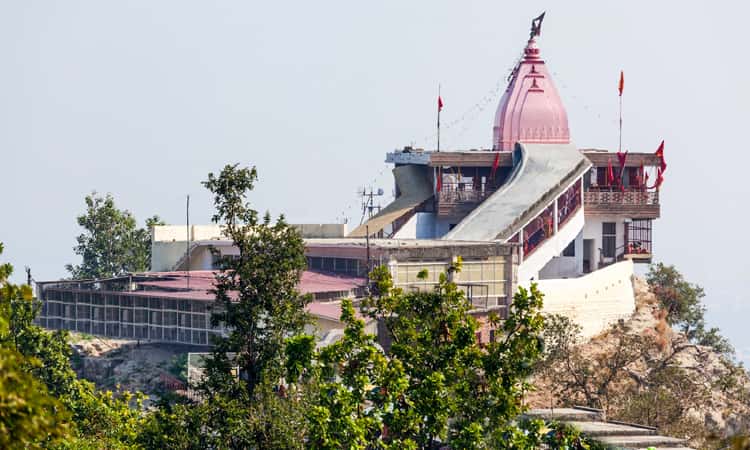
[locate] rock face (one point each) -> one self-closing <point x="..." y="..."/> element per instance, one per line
<point x="129" y="365"/>
<point x="718" y="390"/>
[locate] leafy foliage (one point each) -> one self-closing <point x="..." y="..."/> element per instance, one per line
<point x="256" y="293"/>
<point x="437" y="383"/>
<point x="111" y="243"/>
<point x="83" y="416"/>
<point x="683" y="302"/>
<point x="29" y="416"/>
<point x="657" y="376"/>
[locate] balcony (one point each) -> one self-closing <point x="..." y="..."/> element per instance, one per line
<point x="458" y="199"/>
<point x="633" y="203"/>
<point x="637" y="242"/>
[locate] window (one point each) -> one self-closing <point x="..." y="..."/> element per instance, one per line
<point x="609" y="239"/>
<point x="492" y="335"/>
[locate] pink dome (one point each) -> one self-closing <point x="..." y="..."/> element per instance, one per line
<point x="530" y="109"/>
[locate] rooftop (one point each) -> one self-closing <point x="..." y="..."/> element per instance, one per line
<point x="201" y="282"/>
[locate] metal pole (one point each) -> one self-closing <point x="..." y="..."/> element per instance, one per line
<point x="187" y="243"/>
<point x="438" y="121"/>
<point x="619" y="147"/>
<point x="367" y="244"/>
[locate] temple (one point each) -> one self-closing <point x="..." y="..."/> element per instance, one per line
<point x="532" y="207"/>
<point x="571" y="210"/>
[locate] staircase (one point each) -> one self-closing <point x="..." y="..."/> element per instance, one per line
<point x="618" y="435"/>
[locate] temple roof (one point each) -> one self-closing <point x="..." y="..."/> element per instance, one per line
<point x="530" y="110"/>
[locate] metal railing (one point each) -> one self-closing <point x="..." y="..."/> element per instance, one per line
<point x="463" y="192"/>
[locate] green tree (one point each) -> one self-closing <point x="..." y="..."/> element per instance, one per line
<point x="683" y="302"/>
<point x="259" y="307"/>
<point x="257" y="301"/>
<point x="437" y="384"/>
<point x="111" y="243"/>
<point x="29" y="416"/>
<point x="95" y="419"/>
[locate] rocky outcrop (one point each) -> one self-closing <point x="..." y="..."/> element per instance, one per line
<point x="714" y="402"/>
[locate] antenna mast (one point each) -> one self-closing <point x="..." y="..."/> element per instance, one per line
<point x="187" y="242"/>
<point x="368" y="203"/>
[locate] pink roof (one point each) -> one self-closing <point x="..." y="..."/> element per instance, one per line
<point x="174" y="284"/>
<point x="331" y="310"/>
<point x="531" y="109"/>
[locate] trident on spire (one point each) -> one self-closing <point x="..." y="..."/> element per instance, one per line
<point x="536" y="26"/>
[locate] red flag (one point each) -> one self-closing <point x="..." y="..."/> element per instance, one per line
<point x="440" y="103"/>
<point x="610" y="173"/>
<point x="621" y="86"/>
<point x="659" y="179"/>
<point x="439" y="180"/>
<point x="621" y="157"/>
<point x="495" y="165"/>
<point x="660" y="153"/>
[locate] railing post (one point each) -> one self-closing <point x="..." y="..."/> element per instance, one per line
<point x="555" y="217"/>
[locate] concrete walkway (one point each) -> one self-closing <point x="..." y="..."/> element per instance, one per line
<point x="618" y="435"/>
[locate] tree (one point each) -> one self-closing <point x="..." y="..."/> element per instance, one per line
<point x="438" y="384"/>
<point x="87" y="418"/>
<point x="259" y="307"/>
<point x="29" y="415"/>
<point x="111" y="243"/>
<point x="683" y="302"/>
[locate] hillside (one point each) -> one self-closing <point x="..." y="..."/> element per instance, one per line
<point x="643" y="371"/>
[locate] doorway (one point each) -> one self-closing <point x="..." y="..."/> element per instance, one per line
<point x="588" y="255"/>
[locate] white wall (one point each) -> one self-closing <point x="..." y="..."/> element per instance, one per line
<point x="169" y="233"/>
<point x="565" y="266"/>
<point x="594" y="301"/>
<point x="593" y="230"/>
<point x="552" y="247"/>
<point x="165" y="255"/>
<point x="423" y="225"/>
<point x="560" y="267"/>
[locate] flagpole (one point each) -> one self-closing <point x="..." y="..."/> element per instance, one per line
<point x="619" y="148"/>
<point x="438" y="120"/>
<point x="620" y="88"/>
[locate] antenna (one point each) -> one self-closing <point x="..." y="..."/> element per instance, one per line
<point x="368" y="202"/>
<point x="187" y="242"/>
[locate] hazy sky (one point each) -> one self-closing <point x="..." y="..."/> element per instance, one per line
<point x="143" y="98"/>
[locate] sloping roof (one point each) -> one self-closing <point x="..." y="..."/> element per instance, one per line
<point x="415" y="188"/>
<point x="175" y="284"/>
<point x="542" y="173"/>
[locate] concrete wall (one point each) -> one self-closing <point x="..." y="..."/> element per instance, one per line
<point x="560" y="267"/>
<point x="593" y="230"/>
<point x="551" y="248"/>
<point x="165" y="255"/>
<point x="171" y="233"/>
<point x="594" y="301"/>
<point x="423" y="225"/>
<point x="323" y="326"/>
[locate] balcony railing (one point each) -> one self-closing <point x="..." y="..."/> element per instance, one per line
<point x="463" y="193"/>
<point x="616" y="196"/>
<point x="630" y="202"/>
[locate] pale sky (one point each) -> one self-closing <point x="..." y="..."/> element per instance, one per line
<point x="143" y="98"/>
